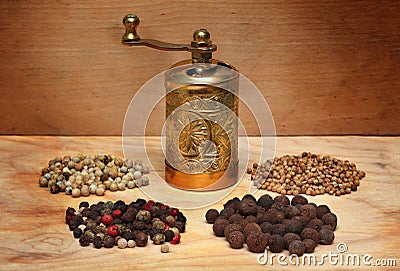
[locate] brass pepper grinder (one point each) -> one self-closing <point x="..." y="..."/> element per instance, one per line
<point x="201" y="135"/>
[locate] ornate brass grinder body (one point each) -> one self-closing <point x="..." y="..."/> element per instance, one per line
<point x="201" y="110"/>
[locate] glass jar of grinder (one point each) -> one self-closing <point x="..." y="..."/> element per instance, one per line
<point x="201" y="129"/>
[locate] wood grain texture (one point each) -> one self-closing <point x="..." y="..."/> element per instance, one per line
<point x="33" y="235"/>
<point x="325" y="68"/>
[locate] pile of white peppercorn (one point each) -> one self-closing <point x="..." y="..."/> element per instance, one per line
<point x="82" y="175"/>
<point x="308" y="173"/>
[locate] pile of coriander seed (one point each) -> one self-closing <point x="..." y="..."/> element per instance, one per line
<point x="308" y="173"/>
<point x="82" y="175"/>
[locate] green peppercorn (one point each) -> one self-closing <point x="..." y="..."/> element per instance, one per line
<point x="158" y="239"/>
<point x="143" y="215"/>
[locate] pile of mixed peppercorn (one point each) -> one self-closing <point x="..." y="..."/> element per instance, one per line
<point x="105" y="224"/>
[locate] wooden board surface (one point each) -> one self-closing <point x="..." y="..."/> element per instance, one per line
<point x="324" y="67"/>
<point x="33" y="235"/>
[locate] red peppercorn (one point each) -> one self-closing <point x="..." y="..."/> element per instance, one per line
<point x="167" y="227"/>
<point x="117" y="214"/>
<point x="174" y="212"/>
<point x="164" y="207"/>
<point x="107" y="219"/>
<point x="68" y="218"/>
<point x="176" y="240"/>
<point x="148" y="207"/>
<point x="113" y="230"/>
<point x="151" y="202"/>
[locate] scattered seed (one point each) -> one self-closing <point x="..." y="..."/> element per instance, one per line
<point x="164" y="248"/>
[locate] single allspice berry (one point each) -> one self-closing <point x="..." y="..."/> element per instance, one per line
<point x="315" y="224"/>
<point x="231" y="228"/>
<point x="276" y="243"/>
<point x="228" y="212"/>
<point x="297" y="247"/>
<point x="219" y="227"/>
<point x="291" y="211"/>
<point x="266" y="227"/>
<point x="299" y="200"/>
<point x="330" y="219"/>
<point x="265" y="201"/>
<point x="282" y="200"/>
<point x="235" y="219"/>
<point x="236" y="239"/>
<point x="309" y="245"/>
<point x="322" y="210"/>
<point x="326" y="237"/>
<point x="308" y="211"/>
<point x="256" y="242"/>
<point x="247" y="207"/>
<point x="251" y="227"/>
<point x="290" y="237"/>
<point x="309" y="233"/>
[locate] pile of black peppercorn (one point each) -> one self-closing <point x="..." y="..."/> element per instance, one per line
<point x="104" y="224"/>
<point x="296" y="225"/>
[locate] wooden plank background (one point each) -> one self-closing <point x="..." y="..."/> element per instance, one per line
<point x="325" y="67"/>
<point x="34" y="236"/>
